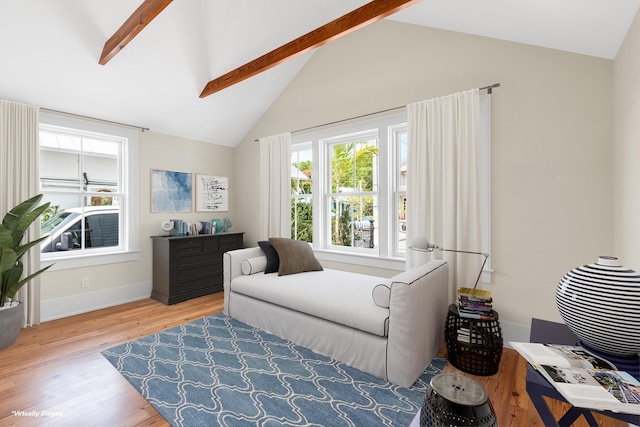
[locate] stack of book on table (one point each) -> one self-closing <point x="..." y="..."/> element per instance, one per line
<point x="475" y="304"/>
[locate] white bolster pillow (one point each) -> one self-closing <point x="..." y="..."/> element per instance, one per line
<point x="253" y="265"/>
<point x="382" y="295"/>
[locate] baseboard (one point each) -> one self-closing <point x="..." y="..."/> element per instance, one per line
<point x="83" y="303"/>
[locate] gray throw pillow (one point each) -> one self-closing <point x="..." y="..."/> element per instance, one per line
<point x="295" y="256"/>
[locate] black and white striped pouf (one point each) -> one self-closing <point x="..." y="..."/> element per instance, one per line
<point x="600" y="303"/>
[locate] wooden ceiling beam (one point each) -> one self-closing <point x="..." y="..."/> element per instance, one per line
<point x="143" y="15"/>
<point x="358" y="18"/>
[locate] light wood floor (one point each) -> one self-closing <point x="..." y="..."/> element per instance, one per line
<point x="56" y="368"/>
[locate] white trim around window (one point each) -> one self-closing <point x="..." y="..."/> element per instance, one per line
<point x="389" y="127"/>
<point x="129" y="250"/>
<point x="321" y="140"/>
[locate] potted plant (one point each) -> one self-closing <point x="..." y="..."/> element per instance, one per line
<point x="14" y="225"/>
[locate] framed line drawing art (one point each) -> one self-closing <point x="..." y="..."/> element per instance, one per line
<point x="212" y="193"/>
<point x="170" y="191"/>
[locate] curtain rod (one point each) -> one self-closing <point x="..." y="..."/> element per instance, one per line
<point x="143" y="129"/>
<point x="489" y="90"/>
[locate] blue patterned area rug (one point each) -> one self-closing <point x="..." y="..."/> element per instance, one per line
<point x="217" y="371"/>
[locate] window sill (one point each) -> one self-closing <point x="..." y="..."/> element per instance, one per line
<point x="90" y="260"/>
<point x="397" y="264"/>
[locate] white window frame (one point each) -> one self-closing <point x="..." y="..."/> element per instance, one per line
<point x="305" y="146"/>
<point x="384" y="256"/>
<point x="388" y="255"/>
<point x="128" y="249"/>
<point x="396" y="191"/>
<point x="327" y="144"/>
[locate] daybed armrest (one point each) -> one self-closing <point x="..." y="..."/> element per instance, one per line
<point x="417" y="313"/>
<point x="232" y="266"/>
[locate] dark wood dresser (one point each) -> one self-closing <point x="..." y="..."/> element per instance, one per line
<point x="190" y="266"/>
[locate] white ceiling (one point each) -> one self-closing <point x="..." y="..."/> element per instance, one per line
<point x="49" y="51"/>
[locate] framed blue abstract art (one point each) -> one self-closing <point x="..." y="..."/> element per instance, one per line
<point x="170" y="191"/>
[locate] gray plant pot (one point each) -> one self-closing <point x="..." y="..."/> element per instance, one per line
<point x="10" y="324"/>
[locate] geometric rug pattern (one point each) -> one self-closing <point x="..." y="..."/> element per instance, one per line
<point x="217" y="371"/>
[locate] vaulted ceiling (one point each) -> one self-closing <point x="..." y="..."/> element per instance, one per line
<point x="49" y="51"/>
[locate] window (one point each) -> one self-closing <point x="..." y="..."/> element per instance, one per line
<point x="352" y="177"/>
<point x="398" y="137"/>
<point x="88" y="174"/>
<point x="77" y="228"/>
<point x="302" y="193"/>
<point x="351" y="188"/>
<point x="352" y="191"/>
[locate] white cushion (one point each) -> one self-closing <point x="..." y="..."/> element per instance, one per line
<point x="338" y="296"/>
<point x="253" y="265"/>
<point x="382" y="294"/>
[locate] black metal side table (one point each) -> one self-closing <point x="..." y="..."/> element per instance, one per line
<point x="473" y="345"/>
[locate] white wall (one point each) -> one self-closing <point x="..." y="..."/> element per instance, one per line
<point x="626" y="188"/>
<point x="61" y="291"/>
<point x="552" y="161"/>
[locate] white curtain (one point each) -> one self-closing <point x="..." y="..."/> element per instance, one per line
<point x="275" y="185"/>
<point x="443" y="182"/>
<point x="19" y="180"/>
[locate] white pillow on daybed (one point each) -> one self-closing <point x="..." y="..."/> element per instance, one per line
<point x="253" y="265"/>
<point x="382" y="295"/>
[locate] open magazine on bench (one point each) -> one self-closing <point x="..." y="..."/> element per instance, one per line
<point x="583" y="378"/>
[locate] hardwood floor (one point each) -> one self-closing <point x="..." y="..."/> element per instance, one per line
<point x="56" y="370"/>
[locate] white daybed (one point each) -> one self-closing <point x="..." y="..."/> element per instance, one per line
<point x="390" y="328"/>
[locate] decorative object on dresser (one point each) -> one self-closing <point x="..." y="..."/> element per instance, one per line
<point x="186" y="267"/>
<point x="167" y="226"/>
<point x="600" y="303"/>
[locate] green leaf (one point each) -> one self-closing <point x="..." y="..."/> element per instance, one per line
<point x="6" y="237"/>
<point x="25" y="222"/>
<point x="8" y="259"/>
<point x="11" y="277"/>
<point x="14" y="225"/>
<point x="21" y="250"/>
<point x="13" y="288"/>
<point x="13" y="217"/>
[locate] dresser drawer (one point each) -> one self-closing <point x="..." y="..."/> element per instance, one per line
<point x="197" y="258"/>
<point x="200" y="271"/>
<point x="210" y="244"/>
<point x="227" y="243"/>
<point x="201" y="283"/>
<point x="188" y="246"/>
